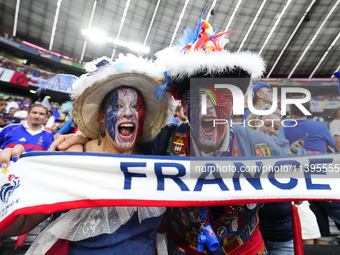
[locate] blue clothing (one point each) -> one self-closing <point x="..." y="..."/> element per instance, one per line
<point x="276" y="222"/>
<point x="14" y="120"/>
<point x="175" y="121"/>
<point x="131" y="238"/>
<point x="17" y="134"/>
<point x="67" y="128"/>
<point x="318" y="134"/>
<point x="280" y="248"/>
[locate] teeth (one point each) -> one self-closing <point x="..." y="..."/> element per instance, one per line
<point x="208" y="119"/>
<point x="127" y="125"/>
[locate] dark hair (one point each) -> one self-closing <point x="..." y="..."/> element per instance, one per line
<point x="336" y="113"/>
<point x="296" y="111"/>
<point x="37" y="104"/>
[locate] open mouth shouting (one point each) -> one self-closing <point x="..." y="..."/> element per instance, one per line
<point x="207" y="125"/>
<point x="126" y="130"/>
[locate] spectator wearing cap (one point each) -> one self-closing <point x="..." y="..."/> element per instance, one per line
<point x="327" y="119"/>
<point x="11" y="104"/>
<point x="262" y="95"/>
<point x="22" y="114"/>
<point x="334" y="128"/>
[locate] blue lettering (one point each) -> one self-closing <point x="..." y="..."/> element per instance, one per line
<point x="128" y="176"/>
<point x="277" y="168"/>
<point x="218" y="180"/>
<point x="174" y="177"/>
<point x="253" y="180"/>
<point x="308" y="173"/>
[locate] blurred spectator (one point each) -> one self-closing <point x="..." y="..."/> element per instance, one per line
<point x="22" y="114"/>
<point x="11" y="104"/>
<point x="334" y="128"/>
<point x="236" y="119"/>
<point x="9" y="118"/>
<point x="179" y="116"/>
<point x="31" y="134"/>
<point x="318" y="137"/>
<point x="328" y="119"/>
<point x="3" y="104"/>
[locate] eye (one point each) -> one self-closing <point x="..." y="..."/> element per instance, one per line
<point x="116" y="107"/>
<point x="136" y="107"/>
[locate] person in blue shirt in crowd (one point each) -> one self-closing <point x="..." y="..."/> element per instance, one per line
<point x="262" y="95"/>
<point x="31" y="134"/>
<point x="318" y="137"/>
<point x="9" y="118"/>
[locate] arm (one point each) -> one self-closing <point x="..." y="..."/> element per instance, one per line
<point x="63" y="142"/>
<point x="337" y="142"/>
<point x="24" y="224"/>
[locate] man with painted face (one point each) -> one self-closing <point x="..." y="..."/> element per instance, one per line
<point x="195" y="64"/>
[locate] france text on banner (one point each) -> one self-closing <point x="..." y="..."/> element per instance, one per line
<point x="54" y="181"/>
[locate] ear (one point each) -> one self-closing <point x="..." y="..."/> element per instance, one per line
<point x="101" y="116"/>
<point x="259" y="94"/>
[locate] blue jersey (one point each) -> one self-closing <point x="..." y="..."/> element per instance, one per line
<point x="17" y="134"/>
<point x="318" y="134"/>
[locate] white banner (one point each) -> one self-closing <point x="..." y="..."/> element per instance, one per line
<point x="54" y="181"/>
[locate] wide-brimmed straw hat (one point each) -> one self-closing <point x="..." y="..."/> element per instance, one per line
<point x="105" y="76"/>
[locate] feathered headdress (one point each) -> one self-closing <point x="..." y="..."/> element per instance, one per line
<point x="200" y="52"/>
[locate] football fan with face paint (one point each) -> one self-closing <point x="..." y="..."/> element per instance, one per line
<point x="115" y="107"/>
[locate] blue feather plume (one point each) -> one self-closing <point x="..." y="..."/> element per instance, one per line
<point x="60" y="82"/>
<point x="160" y="92"/>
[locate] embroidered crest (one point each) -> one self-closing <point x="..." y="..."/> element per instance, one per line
<point x="179" y="143"/>
<point x="7" y="189"/>
<point x="221" y="231"/>
<point x="262" y="149"/>
<point x="40" y="140"/>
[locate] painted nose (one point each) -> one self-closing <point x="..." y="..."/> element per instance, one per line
<point x="127" y="113"/>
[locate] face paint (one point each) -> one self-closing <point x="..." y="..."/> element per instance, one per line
<point x="203" y="125"/>
<point x="124" y="117"/>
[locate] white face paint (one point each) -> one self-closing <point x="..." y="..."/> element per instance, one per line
<point x="124" y="117"/>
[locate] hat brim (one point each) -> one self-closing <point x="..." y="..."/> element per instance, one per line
<point x="86" y="106"/>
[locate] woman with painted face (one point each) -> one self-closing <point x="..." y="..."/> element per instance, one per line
<point x="115" y="105"/>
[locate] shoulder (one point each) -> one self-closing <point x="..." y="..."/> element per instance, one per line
<point x="11" y="127"/>
<point x="91" y="146"/>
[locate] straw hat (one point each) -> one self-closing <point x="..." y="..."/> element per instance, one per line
<point x="105" y="76"/>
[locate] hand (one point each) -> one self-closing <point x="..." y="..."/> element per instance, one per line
<point x="298" y="143"/>
<point x="63" y="142"/>
<point x="9" y="153"/>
